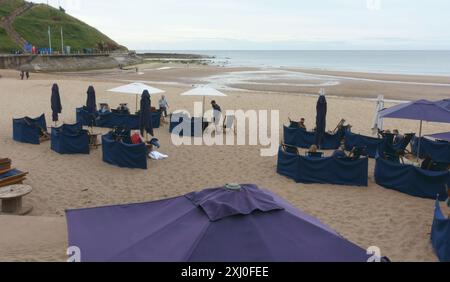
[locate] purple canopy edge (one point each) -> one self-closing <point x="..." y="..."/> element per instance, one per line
<point x="214" y="225"/>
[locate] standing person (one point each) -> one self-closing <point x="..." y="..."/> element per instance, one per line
<point x="217" y="113"/>
<point x="163" y="105"/>
<point x="22" y="74"/>
<point x="28" y="75"/>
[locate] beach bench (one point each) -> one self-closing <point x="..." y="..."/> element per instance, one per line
<point x="290" y="149"/>
<point x="11" y="197"/>
<point x="11" y="177"/>
<point x="5" y="165"/>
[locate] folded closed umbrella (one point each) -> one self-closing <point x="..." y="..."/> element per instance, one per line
<point x="55" y="103"/>
<point x="321" y="120"/>
<point x="145" y="115"/>
<point x="91" y="104"/>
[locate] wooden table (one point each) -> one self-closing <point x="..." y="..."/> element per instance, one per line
<point x="11" y="197"/>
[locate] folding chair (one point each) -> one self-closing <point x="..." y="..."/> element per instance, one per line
<point x="5" y="165"/>
<point x="229" y="124"/>
<point x="11" y="177"/>
<point x="339" y="126"/>
<point x="315" y="155"/>
<point x="293" y="124"/>
<point x="290" y="149"/>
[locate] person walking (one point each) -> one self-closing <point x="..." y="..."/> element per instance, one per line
<point x="163" y="105"/>
<point x="217" y="112"/>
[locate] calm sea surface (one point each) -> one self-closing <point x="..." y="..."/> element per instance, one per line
<point x="397" y="62"/>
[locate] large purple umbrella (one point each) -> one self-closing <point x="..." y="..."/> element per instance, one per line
<point x="444" y="104"/>
<point x="321" y="119"/>
<point x="422" y="110"/>
<point x="55" y="103"/>
<point x="227" y="224"/>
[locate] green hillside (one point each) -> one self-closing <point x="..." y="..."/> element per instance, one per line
<point x="5" y="42"/>
<point x="8" y="6"/>
<point x="33" y="27"/>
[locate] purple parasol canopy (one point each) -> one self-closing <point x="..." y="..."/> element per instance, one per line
<point x="422" y="110"/>
<point x="444" y="104"/>
<point x="441" y="136"/>
<point x="227" y="224"/>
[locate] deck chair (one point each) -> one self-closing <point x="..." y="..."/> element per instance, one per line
<point x="5" y="165"/>
<point x="293" y="124"/>
<point x="357" y="152"/>
<point x="44" y="135"/>
<point x="290" y="149"/>
<point x="316" y="155"/>
<point x="339" y="126"/>
<point x="406" y="142"/>
<point x="11" y="177"/>
<point x="229" y="124"/>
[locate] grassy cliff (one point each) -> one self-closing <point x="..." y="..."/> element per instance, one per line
<point x="6" y="43"/>
<point x="33" y="25"/>
<point x="6" y="7"/>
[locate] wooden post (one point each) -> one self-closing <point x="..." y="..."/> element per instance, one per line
<point x="420" y="141"/>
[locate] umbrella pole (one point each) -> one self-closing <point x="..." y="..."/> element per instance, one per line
<point x="420" y="141"/>
<point x="136" y="103"/>
<point x="203" y="109"/>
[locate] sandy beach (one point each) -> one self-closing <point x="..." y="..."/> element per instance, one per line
<point x="397" y="223"/>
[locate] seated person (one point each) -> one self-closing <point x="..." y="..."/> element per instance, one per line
<point x="439" y="166"/>
<point x="340" y="153"/>
<point x="427" y="163"/>
<point x="431" y="165"/>
<point x="121" y="135"/>
<point x="356" y="153"/>
<point x="313" y="149"/>
<point x="301" y="124"/>
<point x="123" y="108"/>
<point x="398" y="138"/>
<point x="42" y="131"/>
<point x="313" y="152"/>
<point x="136" y="138"/>
<point x="104" y="108"/>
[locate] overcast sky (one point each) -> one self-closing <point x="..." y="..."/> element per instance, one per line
<point x="268" y="24"/>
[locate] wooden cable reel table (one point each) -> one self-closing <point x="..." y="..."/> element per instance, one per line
<point x="11" y="197"/>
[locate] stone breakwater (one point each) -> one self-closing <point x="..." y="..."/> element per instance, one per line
<point x="55" y="63"/>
